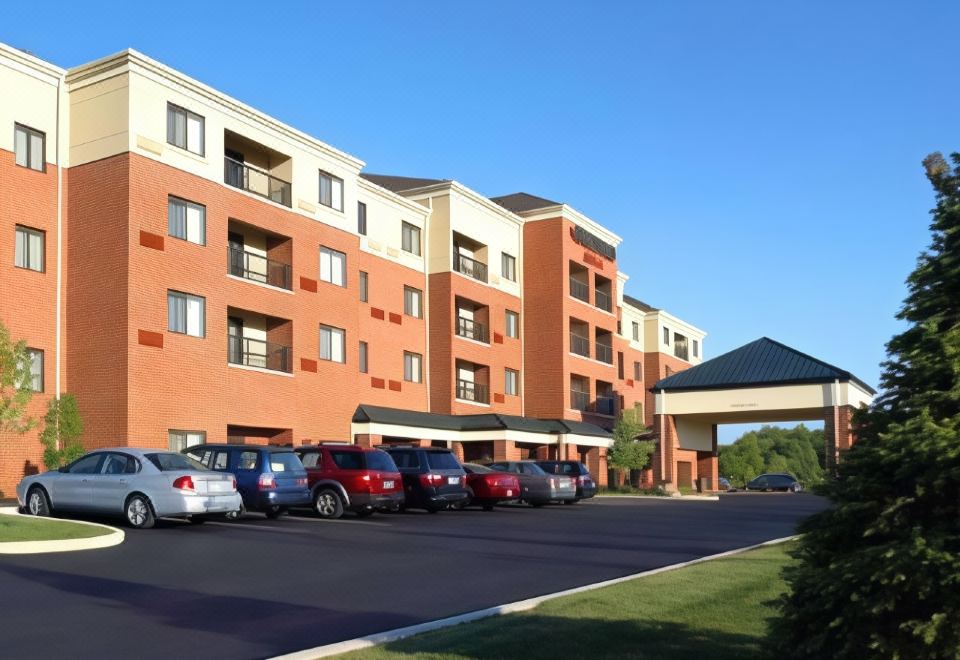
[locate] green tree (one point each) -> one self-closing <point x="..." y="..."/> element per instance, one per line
<point x="15" y="390"/>
<point x="774" y="449"/>
<point x="741" y="461"/>
<point x="628" y="453"/>
<point x="62" y="429"/>
<point x="878" y="573"/>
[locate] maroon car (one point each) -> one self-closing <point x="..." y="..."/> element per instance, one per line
<point x="345" y="477"/>
<point x="489" y="487"/>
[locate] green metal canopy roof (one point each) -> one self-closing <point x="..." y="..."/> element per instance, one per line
<point x="763" y="362"/>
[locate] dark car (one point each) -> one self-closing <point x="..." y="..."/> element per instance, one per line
<point x="586" y="486"/>
<point x="345" y="477"/>
<point x="433" y="478"/>
<point x="490" y="487"/>
<point x="724" y="484"/>
<point x="778" y="481"/>
<point x="536" y="486"/>
<point x="270" y="479"/>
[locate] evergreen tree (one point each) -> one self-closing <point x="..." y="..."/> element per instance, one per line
<point x="62" y="428"/>
<point x="878" y="573"/>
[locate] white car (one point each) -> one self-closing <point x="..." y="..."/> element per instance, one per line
<point x="138" y="484"/>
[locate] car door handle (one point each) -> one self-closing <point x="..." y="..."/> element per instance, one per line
<point x="123" y="481"/>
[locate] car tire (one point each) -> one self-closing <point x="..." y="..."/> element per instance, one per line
<point x="327" y="504"/>
<point x="38" y="504"/>
<point x="139" y="512"/>
<point x="275" y="512"/>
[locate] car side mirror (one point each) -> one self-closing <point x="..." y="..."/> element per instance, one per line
<point x="63" y="468"/>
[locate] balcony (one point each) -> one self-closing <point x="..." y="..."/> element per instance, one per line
<point x="579" y="345"/>
<point x="603" y="293"/>
<point x="603" y="300"/>
<point x="256" y="181"/>
<point x="260" y="354"/>
<point x="258" y="268"/>
<point x="470" y="329"/>
<point x="470" y="267"/>
<point x="256" y="168"/>
<point x="580" y="400"/>
<point x="470" y="391"/>
<point x="603" y="405"/>
<point x="604" y="353"/>
<point x="579" y="290"/>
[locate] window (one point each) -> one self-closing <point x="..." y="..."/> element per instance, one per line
<point x="36" y="369"/>
<point x="333" y="266"/>
<point x="119" y="464"/>
<point x="185" y="129"/>
<point x="186" y="314"/>
<point x="508" y="266"/>
<point x="666" y="336"/>
<point x="89" y="464"/>
<point x="186" y="220"/>
<point x="411" y="367"/>
<point x="696" y="348"/>
<point x="410" y="239"/>
<point x="331" y="191"/>
<point x="513" y="324"/>
<point x="332" y="343"/>
<point x="29" y="147"/>
<point x="511" y="383"/>
<point x="412" y="299"/>
<point x="405" y="459"/>
<point x="248" y="460"/>
<point x="620" y="365"/>
<point x="310" y="459"/>
<point x="363" y="357"/>
<point x="361" y="218"/>
<point x="29" y="249"/>
<point x="180" y="440"/>
<point x="221" y="460"/>
<point x="363" y="286"/>
<point x="636" y="371"/>
<point x="636" y="331"/>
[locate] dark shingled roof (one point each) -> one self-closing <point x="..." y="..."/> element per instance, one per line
<point x="761" y="362"/>
<point x="400" y="183"/>
<point x="484" y="422"/>
<point x="521" y="202"/>
<point x="639" y="304"/>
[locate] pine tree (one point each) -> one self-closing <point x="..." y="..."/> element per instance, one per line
<point x="878" y="573"/>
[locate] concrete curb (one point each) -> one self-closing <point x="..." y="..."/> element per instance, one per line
<point x="665" y="498"/>
<point x="519" y="606"/>
<point x="115" y="537"/>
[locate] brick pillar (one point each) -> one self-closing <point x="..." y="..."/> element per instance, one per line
<point x="597" y="465"/>
<point x="838" y="433"/>
<point x="543" y="453"/>
<point x="457" y="448"/>
<point x="603" y="470"/>
<point x="708" y="465"/>
<point x="367" y="440"/>
<point x="665" y="459"/>
<point x="505" y="450"/>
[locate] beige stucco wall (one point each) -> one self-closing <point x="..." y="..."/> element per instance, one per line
<point x="760" y="400"/>
<point x="655" y="322"/>
<point x="386" y="213"/>
<point x="696" y="435"/>
<point x="28" y="88"/>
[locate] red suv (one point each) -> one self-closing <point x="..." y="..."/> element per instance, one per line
<point x="345" y="477"/>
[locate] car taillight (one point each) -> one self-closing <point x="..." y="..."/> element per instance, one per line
<point x="184" y="483"/>
<point x="234" y="483"/>
<point x="553" y="483"/>
<point x="431" y="479"/>
<point x="266" y="482"/>
<point x="302" y="481"/>
<point x="365" y="477"/>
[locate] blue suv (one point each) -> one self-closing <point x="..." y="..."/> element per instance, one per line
<point x="270" y="479"/>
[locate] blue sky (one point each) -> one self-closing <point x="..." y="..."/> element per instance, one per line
<point x="761" y="160"/>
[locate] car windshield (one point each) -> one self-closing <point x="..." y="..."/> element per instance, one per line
<point x="380" y="460"/>
<point x="442" y="460"/>
<point x="285" y="461"/>
<point x="169" y="462"/>
<point x="473" y="468"/>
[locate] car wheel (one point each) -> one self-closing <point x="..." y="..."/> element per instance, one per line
<point x="139" y="512"/>
<point x="275" y="512"/>
<point x="37" y="502"/>
<point x="327" y="504"/>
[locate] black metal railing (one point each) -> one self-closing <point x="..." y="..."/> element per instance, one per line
<point x="258" y="353"/>
<point x="603" y="405"/>
<point x="604" y="353"/>
<point x="579" y="400"/>
<point x="257" y="268"/>
<point x="253" y="179"/>
<point x="472" y="330"/>
<point x="579" y="345"/>
<point x="579" y="290"/>
<point x="603" y="300"/>
<point x="470" y="267"/>
<point x="476" y="392"/>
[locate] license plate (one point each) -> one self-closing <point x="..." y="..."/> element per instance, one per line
<point x="453" y="480"/>
<point x="388" y="484"/>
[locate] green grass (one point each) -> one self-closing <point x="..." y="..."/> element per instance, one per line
<point x="22" y="528"/>
<point x="717" y="610"/>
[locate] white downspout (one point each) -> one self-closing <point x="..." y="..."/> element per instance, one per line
<point x="426" y="295"/>
<point x="59" y="240"/>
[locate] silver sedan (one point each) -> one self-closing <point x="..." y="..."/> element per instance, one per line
<point x="138" y="484"/>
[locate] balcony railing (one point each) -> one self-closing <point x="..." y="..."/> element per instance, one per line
<point x="579" y="290"/>
<point x="253" y="179"/>
<point x="470" y="267"/>
<point x="472" y="330"/>
<point x="261" y="354"/>
<point x="603" y="300"/>
<point x="579" y="345"/>
<point x="579" y="400"/>
<point x="476" y="392"/>
<point x="257" y="268"/>
<point x="603" y="405"/>
<point x="604" y="353"/>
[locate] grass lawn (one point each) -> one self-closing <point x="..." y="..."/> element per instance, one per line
<point x="712" y="610"/>
<point x="23" y="528"/>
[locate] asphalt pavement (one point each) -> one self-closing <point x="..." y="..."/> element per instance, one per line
<point x="259" y="587"/>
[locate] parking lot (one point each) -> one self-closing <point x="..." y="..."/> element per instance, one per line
<point x="262" y="587"/>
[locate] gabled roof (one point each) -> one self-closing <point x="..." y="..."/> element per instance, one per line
<point x="763" y="362"/>
<point x="638" y="304"/>
<point x="400" y="183"/>
<point x="522" y="202"/>
<point x="483" y="422"/>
